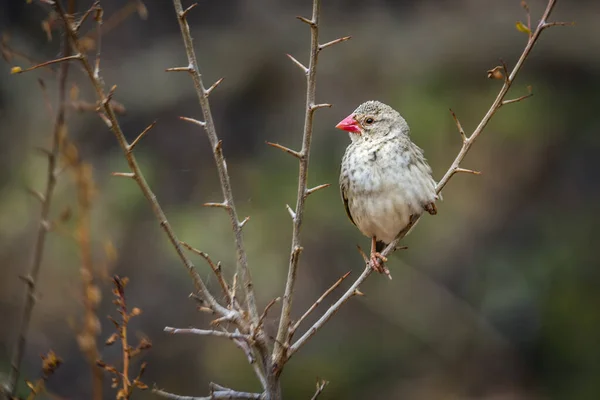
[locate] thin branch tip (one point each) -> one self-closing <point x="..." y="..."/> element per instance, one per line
<point x="286" y="149"/>
<point x="140" y="136"/>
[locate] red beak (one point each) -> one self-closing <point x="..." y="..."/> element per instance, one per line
<point x="349" y="124"/>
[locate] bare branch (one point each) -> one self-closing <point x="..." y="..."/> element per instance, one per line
<point x="551" y="24"/>
<point x="227" y="394"/>
<point x="283" y="333"/>
<point x="19" y="70"/>
<point x="319" y="300"/>
<point x="58" y="132"/>
<point x="242" y="262"/>
<point x="283" y="148"/>
<point x="113" y="123"/>
<point x="204" y="332"/>
<point x="140" y="136"/>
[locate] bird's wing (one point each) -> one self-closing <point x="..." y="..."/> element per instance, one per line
<point x="343" y="191"/>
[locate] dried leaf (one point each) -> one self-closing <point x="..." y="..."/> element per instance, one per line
<point x="495" y="73"/>
<point x="522" y="28"/>
<point x="112" y="339"/>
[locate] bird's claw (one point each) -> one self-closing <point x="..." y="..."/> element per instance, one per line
<point x="377" y="263"/>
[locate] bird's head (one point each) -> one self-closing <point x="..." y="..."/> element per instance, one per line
<point x="372" y="120"/>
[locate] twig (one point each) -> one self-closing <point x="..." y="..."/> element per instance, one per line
<point x="454" y="168"/>
<point x="227" y="394"/>
<point x="209" y="126"/>
<point x="279" y="351"/>
<point x="204" y="332"/>
<point x="58" y="132"/>
<point x="215" y="268"/>
<point x="316" y="303"/>
<point x="199" y="284"/>
<point x="321" y="383"/>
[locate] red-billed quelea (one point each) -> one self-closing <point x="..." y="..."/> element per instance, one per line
<point x="385" y="179"/>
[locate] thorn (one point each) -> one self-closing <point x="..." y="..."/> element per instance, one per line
<point x="180" y="69"/>
<point x="307" y="21"/>
<point x="210" y="89"/>
<point x="459" y="126"/>
<point x="317" y="106"/>
<point x="357" y="292"/>
<point x="292" y="213"/>
<point x="44" y="151"/>
<point x="124" y="174"/>
<point x="551" y="24"/>
<point x="362" y="253"/>
<point x="505" y="69"/>
<point x="140" y="136"/>
<point x="298" y="63"/>
<point x="467" y="171"/>
<point x="505" y="102"/>
<point x="187" y="10"/>
<point x="28" y="279"/>
<point x="37" y="195"/>
<point x="241" y="224"/>
<point x="323" y="186"/>
<point x="336" y="41"/>
<point x="108" y="98"/>
<point x="287" y="150"/>
<point x="193" y="121"/>
<point x="218" y="205"/>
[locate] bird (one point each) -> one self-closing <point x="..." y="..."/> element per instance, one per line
<point x="385" y="180"/>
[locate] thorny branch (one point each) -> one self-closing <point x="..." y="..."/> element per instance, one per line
<point x="136" y="173"/>
<point x="209" y="127"/>
<point x="454" y="168"/>
<point x="32" y="276"/>
<point x="283" y="332"/>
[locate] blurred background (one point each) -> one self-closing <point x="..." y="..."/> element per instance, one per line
<point x="496" y="296"/>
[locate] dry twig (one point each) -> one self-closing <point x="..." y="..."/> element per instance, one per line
<point x="32" y="276"/>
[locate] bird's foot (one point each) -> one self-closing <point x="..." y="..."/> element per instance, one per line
<point x="377" y="263"/>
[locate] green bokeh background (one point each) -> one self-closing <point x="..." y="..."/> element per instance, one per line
<point x="496" y="296"/>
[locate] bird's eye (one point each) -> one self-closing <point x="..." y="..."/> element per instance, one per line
<point x="369" y="120"/>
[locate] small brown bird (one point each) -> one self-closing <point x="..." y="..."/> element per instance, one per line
<point x="384" y="178"/>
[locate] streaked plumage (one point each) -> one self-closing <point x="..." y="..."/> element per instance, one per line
<point x="384" y="176"/>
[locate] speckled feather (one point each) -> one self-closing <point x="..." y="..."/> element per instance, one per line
<point x="384" y="176"/>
